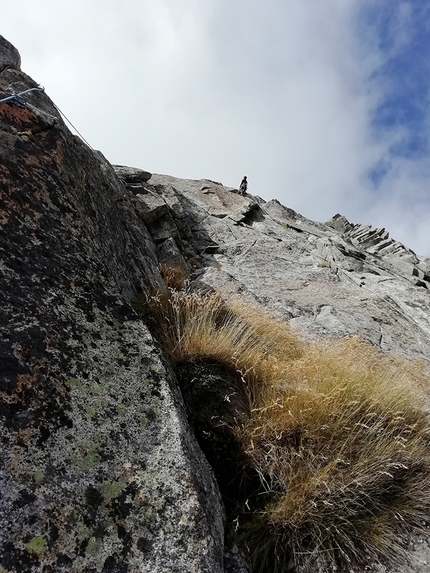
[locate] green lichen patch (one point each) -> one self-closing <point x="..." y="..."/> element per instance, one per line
<point x="89" y="459"/>
<point x="110" y="489"/>
<point x="97" y="389"/>
<point x="83" y="531"/>
<point x="93" y="546"/>
<point x="37" y="545"/>
<point x="149" y="413"/>
<point x="38" y="476"/>
<point x="90" y="412"/>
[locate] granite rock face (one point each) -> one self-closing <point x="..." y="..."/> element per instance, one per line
<point x="102" y="465"/>
<point x="9" y="55"/>
<point x="99" y="469"/>
<point x="332" y="279"/>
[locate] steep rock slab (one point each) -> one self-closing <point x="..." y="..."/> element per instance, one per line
<point x="312" y="274"/>
<point x="323" y="281"/>
<point x="99" y="471"/>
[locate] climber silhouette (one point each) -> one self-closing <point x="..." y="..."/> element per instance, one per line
<point x="243" y="186"/>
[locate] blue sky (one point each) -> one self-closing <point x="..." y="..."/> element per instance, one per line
<point x="401" y="32"/>
<point x="323" y="105"/>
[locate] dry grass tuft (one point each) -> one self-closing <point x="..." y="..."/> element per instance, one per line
<point x="337" y="433"/>
<point x="174" y="276"/>
<point x="344" y="451"/>
<point x="195" y="326"/>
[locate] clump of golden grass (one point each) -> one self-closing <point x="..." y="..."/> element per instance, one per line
<point x="174" y="276"/>
<point x="337" y="433"/>
<point x="344" y="451"/>
<point x="195" y="326"/>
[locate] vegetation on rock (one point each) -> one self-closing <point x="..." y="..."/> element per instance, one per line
<point x="173" y="276"/>
<point x="336" y="431"/>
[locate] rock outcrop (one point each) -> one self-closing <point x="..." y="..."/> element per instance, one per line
<point x="332" y="279"/>
<point x="101" y="470"/>
<point x="9" y="56"/>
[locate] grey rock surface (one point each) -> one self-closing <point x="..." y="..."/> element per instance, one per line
<point x="101" y="465"/>
<point x="326" y="279"/>
<point x="99" y="468"/>
<point x="9" y="55"/>
<point x="133" y="178"/>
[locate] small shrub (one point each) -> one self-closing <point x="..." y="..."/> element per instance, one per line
<point x="337" y="434"/>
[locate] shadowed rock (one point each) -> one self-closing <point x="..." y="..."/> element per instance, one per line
<point x="9" y="55"/>
<point x="99" y="469"/>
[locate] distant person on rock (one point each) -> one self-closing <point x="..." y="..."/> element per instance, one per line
<point x="243" y="186"/>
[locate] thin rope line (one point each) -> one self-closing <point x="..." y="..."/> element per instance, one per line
<point x="16" y="97"/>
<point x="71" y="124"/>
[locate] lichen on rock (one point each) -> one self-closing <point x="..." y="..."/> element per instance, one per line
<point x="100" y="471"/>
<point x="106" y="443"/>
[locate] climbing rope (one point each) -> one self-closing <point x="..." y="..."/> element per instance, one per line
<point x="72" y="126"/>
<point x="16" y="97"/>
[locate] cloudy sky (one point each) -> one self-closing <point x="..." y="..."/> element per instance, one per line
<point x="323" y="104"/>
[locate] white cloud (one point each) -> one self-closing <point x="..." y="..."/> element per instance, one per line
<point x="276" y="90"/>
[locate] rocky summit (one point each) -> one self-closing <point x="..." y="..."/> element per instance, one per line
<point x="104" y="466"/>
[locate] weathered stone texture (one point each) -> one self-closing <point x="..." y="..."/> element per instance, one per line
<point x="99" y="470"/>
<point x="9" y="55"/>
<point x="324" y="279"/>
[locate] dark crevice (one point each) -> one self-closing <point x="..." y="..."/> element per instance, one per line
<point x="254" y="215"/>
<point x="217" y="407"/>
